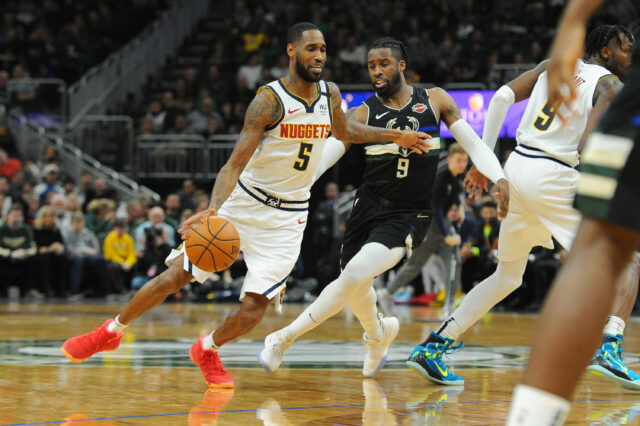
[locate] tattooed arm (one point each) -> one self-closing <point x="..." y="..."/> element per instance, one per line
<point x="347" y="129"/>
<point x="263" y="111"/>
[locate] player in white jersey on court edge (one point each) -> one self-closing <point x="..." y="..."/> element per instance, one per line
<point x="263" y="190"/>
<point x="543" y="181"/>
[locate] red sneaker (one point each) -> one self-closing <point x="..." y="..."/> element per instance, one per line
<point x="79" y="348"/>
<point x="208" y="411"/>
<point x="209" y="362"/>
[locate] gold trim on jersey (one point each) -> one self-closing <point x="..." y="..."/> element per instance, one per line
<point x="606" y="76"/>
<point x="275" y="123"/>
<point x="289" y="92"/>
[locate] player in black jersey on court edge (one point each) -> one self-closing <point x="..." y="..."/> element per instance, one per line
<point x="392" y="209"/>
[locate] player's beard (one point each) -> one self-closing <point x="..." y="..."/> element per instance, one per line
<point x="391" y="88"/>
<point x="304" y="73"/>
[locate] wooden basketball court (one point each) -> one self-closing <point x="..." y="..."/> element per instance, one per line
<point x="150" y="380"/>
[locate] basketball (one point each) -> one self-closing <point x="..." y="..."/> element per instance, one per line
<point x="212" y="244"/>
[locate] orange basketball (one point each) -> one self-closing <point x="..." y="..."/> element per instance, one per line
<point x="212" y="244"/>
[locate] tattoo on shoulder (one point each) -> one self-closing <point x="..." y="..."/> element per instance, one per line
<point x="263" y="110"/>
<point x="454" y="112"/>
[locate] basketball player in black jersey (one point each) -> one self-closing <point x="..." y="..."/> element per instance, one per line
<point x="392" y="209"/>
<point x="567" y="331"/>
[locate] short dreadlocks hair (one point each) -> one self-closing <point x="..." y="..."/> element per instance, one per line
<point x="397" y="47"/>
<point x="601" y="35"/>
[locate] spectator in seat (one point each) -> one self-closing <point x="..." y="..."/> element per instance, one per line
<point x="17" y="249"/>
<point x="188" y="195"/>
<point x="8" y="165"/>
<point x="135" y="215"/>
<point x="156" y="115"/>
<point x="50" y="261"/>
<point x="479" y="257"/>
<point x="5" y="198"/>
<point x="172" y="210"/>
<point x="119" y="249"/>
<point x="100" y="190"/>
<point x="156" y="221"/>
<point x="251" y="71"/>
<point x="198" y="118"/>
<point x="100" y="216"/>
<point x="49" y="183"/>
<point x="84" y="251"/>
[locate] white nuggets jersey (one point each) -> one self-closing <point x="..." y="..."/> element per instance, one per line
<point x="286" y="160"/>
<point x="542" y="130"/>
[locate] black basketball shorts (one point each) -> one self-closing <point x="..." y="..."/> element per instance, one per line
<point x="374" y="220"/>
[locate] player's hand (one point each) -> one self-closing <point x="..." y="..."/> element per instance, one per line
<point x="475" y="183"/>
<point x="415" y="141"/>
<point x="501" y="195"/>
<point x="193" y="219"/>
<point x="567" y="47"/>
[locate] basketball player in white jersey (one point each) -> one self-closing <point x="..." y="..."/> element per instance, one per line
<point x="263" y="190"/>
<point x="608" y="196"/>
<point x="543" y="181"/>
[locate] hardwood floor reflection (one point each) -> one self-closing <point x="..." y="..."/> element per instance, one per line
<point x="149" y="380"/>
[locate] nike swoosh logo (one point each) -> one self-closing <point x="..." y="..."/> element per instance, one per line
<point x="291" y="112"/>
<point x="616" y="363"/>
<point x="444" y="373"/>
<point x="378" y="116"/>
<point x="300" y="221"/>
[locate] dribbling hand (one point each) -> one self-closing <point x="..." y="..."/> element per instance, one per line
<point x="193" y="219"/>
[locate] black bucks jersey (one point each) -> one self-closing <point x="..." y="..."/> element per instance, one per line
<point x="396" y="173"/>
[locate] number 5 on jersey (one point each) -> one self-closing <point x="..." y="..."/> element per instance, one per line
<point x="303" y="156"/>
<point x="543" y="123"/>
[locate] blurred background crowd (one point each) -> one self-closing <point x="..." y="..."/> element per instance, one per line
<point x="68" y="236"/>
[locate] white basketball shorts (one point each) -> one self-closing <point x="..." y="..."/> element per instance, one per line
<point x="270" y="241"/>
<point x="540" y="206"/>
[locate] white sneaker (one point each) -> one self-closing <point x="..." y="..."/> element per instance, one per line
<point x="275" y="346"/>
<point x="377" y="349"/>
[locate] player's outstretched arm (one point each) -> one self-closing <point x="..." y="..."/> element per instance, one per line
<point x="566" y="48"/>
<point x="480" y="154"/>
<point x="515" y="91"/>
<point x="351" y="130"/>
<point x="263" y="111"/>
<point x="334" y="148"/>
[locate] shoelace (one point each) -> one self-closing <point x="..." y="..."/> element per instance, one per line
<point x="212" y="361"/>
<point x="448" y="350"/>
<point x="97" y="338"/>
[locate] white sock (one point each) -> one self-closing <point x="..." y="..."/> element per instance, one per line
<point x="363" y="306"/>
<point x="533" y="407"/>
<point x="207" y="342"/>
<point x="450" y="328"/>
<point x="614" y="326"/>
<point x="372" y="260"/>
<point x="117" y="326"/>
<point x="484" y="296"/>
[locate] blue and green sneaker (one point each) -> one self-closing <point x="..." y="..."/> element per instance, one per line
<point x="428" y="361"/>
<point x="607" y="362"/>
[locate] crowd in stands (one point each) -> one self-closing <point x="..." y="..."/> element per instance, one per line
<point x="59" y="238"/>
<point x="64" y="38"/>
